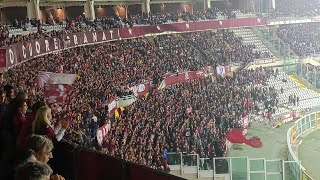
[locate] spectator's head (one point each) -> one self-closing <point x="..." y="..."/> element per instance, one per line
<point x="43" y="118"/>
<point x="41" y="146"/>
<point x="9" y="92"/>
<point x="22" y="96"/>
<point x="21" y="106"/>
<point x="2" y="96"/>
<point x="33" y="171"/>
<point x="37" y="106"/>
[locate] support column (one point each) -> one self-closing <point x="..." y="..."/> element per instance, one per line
<point x="207" y="4"/>
<point x="33" y="9"/>
<point x="89" y="11"/>
<point x="146" y="7"/>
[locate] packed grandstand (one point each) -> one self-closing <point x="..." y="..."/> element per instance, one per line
<point x="138" y="87"/>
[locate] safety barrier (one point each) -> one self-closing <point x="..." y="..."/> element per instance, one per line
<point x="301" y="126"/>
<point x="78" y="163"/>
<point x="230" y="168"/>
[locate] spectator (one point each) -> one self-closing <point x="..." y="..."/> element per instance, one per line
<point x="42" y="125"/>
<point x="94" y="126"/>
<point x="295" y="8"/>
<point x="41" y="147"/>
<point x="33" y="171"/>
<point x="19" y="117"/>
<point x="40" y="150"/>
<point x="26" y="129"/>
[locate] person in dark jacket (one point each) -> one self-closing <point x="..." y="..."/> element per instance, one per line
<point x="26" y="129"/>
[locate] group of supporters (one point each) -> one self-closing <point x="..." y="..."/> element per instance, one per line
<point x="302" y="38"/>
<point x="189" y="117"/>
<point x="295" y="8"/>
<point x="81" y="23"/>
<point x="310" y="73"/>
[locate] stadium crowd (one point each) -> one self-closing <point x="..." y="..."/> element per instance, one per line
<point x="109" y="69"/>
<point x="81" y="23"/>
<point x="310" y="73"/>
<point x="192" y="117"/>
<point x="295" y="8"/>
<point x="302" y="38"/>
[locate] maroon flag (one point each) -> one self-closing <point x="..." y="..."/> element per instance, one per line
<point x="236" y="136"/>
<point x="56" y="93"/>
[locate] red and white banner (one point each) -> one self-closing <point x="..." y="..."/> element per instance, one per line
<point x="141" y="89"/>
<point x="56" y="93"/>
<point x="264" y="61"/>
<point x="55" y="78"/>
<point x="103" y="132"/>
<point x="191" y="75"/>
<point x="112" y="105"/>
<point x="18" y="53"/>
<point x="290" y="116"/>
<point x="223" y="70"/>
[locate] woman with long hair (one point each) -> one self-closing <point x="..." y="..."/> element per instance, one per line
<point x="42" y="125"/>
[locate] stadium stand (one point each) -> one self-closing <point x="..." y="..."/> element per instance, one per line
<point x="191" y="117"/>
<point x="302" y="38"/>
<point x="295" y="8"/>
<point x="249" y="38"/>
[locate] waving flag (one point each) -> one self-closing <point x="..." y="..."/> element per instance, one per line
<point x="55" y="78"/>
<point x="57" y="86"/>
<point x="236" y="136"/>
<point x="56" y="93"/>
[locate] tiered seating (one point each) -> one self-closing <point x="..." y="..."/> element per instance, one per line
<point x="295" y="8"/>
<point x="239" y="14"/>
<point x="302" y="38"/>
<point x="221" y="16"/>
<point x="282" y="80"/>
<point x="249" y="38"/>
<point x="108" y="69"/>
<point x="308" y="104"/>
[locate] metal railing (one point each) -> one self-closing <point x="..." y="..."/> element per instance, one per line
<point x="231" y="168"/>
<point x="301" y="126"/>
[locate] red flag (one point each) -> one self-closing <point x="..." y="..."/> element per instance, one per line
<point x="56" y="93"/>
<point x="236" y="136"/>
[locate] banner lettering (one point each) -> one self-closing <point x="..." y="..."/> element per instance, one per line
<point x="20" y="52"/>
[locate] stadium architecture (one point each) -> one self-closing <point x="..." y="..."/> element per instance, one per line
<point x="150" y="89"/>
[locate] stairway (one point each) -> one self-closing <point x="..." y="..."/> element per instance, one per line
<point x="250" y="38"/>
